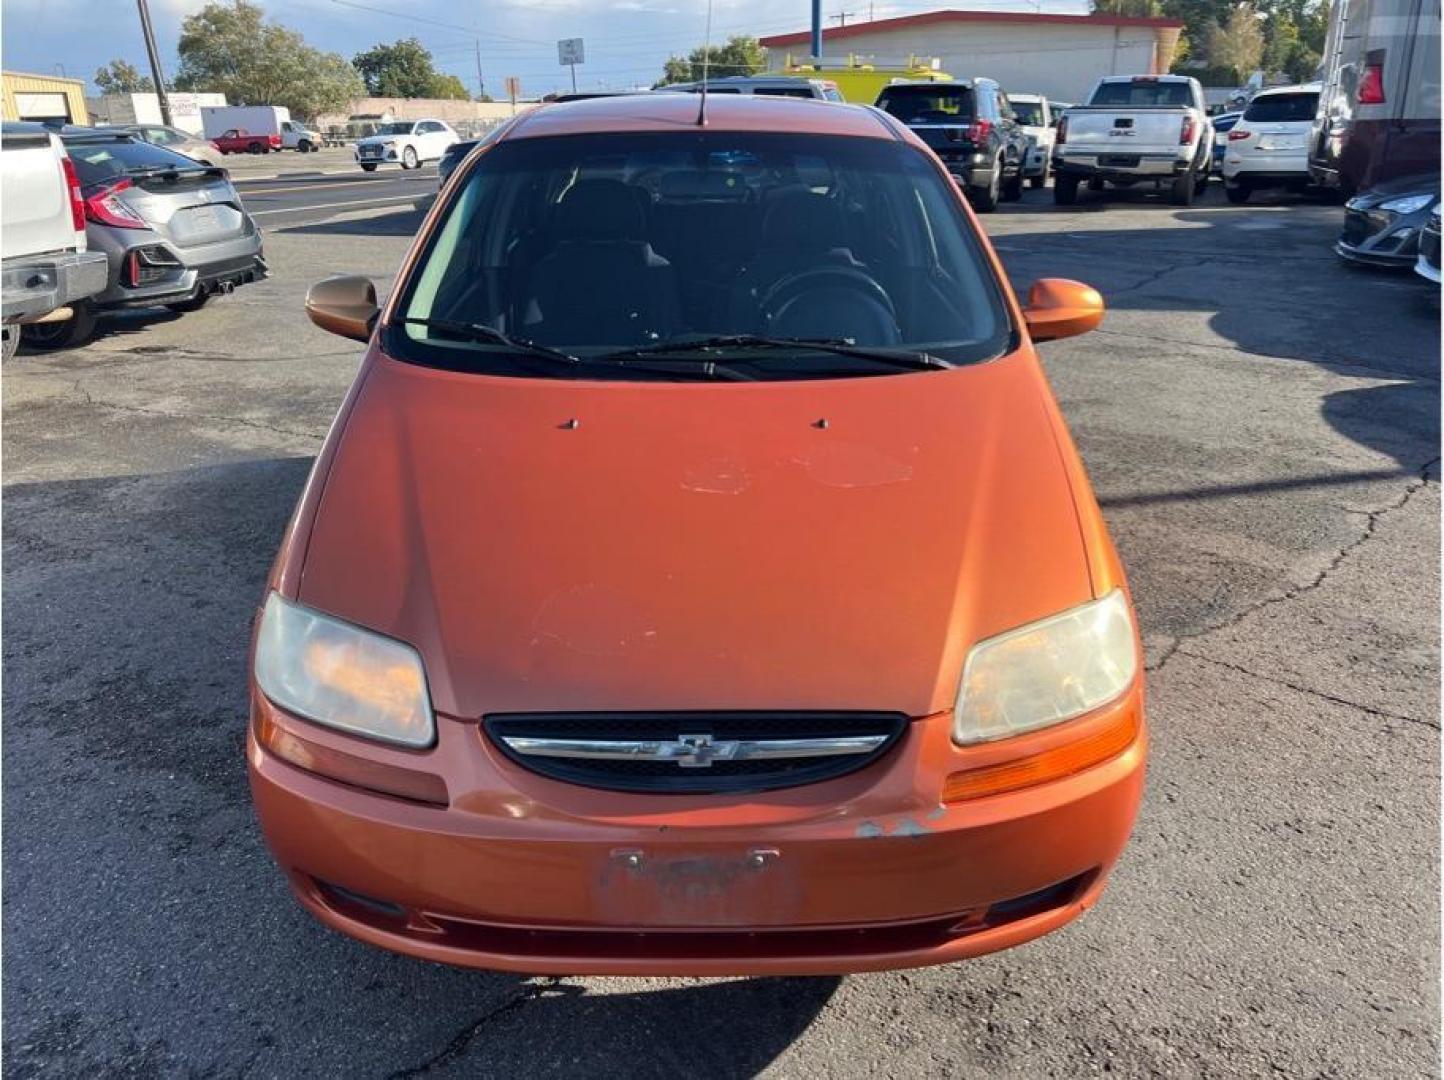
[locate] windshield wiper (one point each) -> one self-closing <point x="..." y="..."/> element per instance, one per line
<point x="905" y="358"/>
<point x="492" y="336"/>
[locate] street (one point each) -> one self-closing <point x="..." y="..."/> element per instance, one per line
<point x="1261" y="424"/>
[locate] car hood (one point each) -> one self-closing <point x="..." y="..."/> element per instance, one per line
<point x="555" y="544"/>
<point x="368" y="140"/>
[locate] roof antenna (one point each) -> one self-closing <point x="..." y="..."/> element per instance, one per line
<point x="706" y="60"/>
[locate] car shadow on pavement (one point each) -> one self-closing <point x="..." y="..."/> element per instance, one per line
<point x="147" y="930"/>
<point x="389" y="223"/>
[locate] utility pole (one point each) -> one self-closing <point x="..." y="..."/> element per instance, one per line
<point x="480" y="82"/>
<point x="817" y="29"/>
<point x="842" y="17"/>
<point x="155" y="74"/>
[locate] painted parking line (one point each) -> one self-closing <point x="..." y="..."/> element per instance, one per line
<point x="332" y="206"/>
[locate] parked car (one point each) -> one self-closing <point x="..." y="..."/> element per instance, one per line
<point x="1223" y="123"/>
<point x="764" y="86"/>
<point x="174" y="231"/>
<point x="1135" y="129"/>
<point x="594" y="645"/>
<point x="1269" y="147"/>
<point x="454" y="156"/>
<point x="241" y="141"/>
<point x="172" y="138"/>
<point x="1427" y="265"/>
<point x="1382" y="226"/>
<point x="262" y="120"/>
<point x="407" y="143"/>
<point x="1034" y="112"/>
<point x="44" y="264"/>
<point x="970" y="125"/>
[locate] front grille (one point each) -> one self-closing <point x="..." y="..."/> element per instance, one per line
<point x="694" y="752"/>
<point x="1359" y="225"/>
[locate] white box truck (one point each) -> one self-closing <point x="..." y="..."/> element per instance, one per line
<point x="216" y="120"/>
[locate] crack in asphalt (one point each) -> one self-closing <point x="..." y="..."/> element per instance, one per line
<point x="256" y="424"/>
<point x="1295" y="591"/>
<point x="1310" y="691"/>
<point x="1154" y="277"/>
<point x="463" y="1039"/>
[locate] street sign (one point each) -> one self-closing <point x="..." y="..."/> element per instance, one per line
<point x="571" y="51"/>
<point x="513" y="86"/>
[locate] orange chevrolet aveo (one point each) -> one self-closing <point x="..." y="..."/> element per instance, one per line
<point x="698" y="577"/>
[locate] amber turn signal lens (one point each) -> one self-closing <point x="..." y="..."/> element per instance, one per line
<point x="1048" y="765"/>
<point x="349" y="769"/>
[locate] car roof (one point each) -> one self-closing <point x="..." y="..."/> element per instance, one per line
<point x="1026" y="97"/>
<point x="1298" y="88"/>
<point x="678" y="112"/>
<point x="936" y="82"/>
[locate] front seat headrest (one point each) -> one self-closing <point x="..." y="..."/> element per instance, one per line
<point x="600" y="210"/>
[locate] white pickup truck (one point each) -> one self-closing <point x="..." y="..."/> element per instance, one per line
<point x="43" y="262"/>
<point x="1135" y="129"/>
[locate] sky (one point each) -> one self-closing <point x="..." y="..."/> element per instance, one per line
<point x="626" y="41"/>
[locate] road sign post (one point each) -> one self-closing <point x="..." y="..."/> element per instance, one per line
<point x="513" y="90"/>
<point x="570" y="53"/>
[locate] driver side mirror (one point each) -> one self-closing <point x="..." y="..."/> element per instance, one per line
<point x="1059" y="308"/>
<point x="344" y="305"/>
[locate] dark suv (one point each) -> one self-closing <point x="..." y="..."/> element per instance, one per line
<point x="970" y="125"/>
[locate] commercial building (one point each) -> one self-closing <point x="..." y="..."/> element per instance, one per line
<point x="185" y="109"/>
<point x="1057" y="55"/>
<point x="24" y="96"/>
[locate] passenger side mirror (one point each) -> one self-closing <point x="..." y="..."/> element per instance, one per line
<point x="1059" y="308"/>
<point x="344" y="305"/>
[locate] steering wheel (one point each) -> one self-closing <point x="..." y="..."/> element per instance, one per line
<point x="831" y="302"/>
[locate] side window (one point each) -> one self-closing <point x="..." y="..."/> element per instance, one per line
<point x="1005" y="108"/>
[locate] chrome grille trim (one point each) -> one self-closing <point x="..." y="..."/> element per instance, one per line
<point x="693" y="751"/>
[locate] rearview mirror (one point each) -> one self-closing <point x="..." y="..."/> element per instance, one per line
<point x="1059" y="308"/>
<point x="344" y="305"/>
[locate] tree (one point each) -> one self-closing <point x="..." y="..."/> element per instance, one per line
<point x="405" y="70"/>
<point x="228" y="48"/>
<point x="120" y="77"/>
<point x="740" y="56"/>
<point x="1138" y="9"/>
<point x="1237" y="42"/>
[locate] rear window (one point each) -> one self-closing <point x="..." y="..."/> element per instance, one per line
<point x="1143" y="95"/>
<point x="785" y="91"/>
<point x="99" y="162"/>
<point x="1029" y="113"/>
<point x="1282" y="108"/>
<point x="934" y="103"/>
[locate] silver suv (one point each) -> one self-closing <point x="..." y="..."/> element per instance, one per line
<point x="174" y="232"/>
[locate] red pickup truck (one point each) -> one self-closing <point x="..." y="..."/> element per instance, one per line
<point x="241" y="141"/>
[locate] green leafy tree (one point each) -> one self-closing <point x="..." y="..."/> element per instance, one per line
<point x="229" y="48"/>
<point x="120" y="77"/>
<point x="1237" y="42"/>
<point x="740" y="56"/>
<point x="405" y="70"/>
<point x="1138" y="9"/>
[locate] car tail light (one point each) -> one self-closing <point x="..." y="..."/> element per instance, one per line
<point x="1185" y="132"/>
<point x="1371" y="85"/>
<point x="1236" y="134"/>
<point x="105" y="208"/>
<point x="77" y="200"/>
<point x="981" y="130"/>
<point x="1062" y="135"/>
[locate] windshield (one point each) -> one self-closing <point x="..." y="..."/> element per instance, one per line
<point x="592" y="244"/>
<point x="1029" y="113"/>
<point x="394" y="129"/>
<point x="1283" y="108"/>
<point x="97" y="162"/>
<point x="1143" y="94"/>
<point x="935" y="103"/>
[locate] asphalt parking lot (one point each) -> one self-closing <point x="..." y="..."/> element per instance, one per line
<point x="1262" y="427"/>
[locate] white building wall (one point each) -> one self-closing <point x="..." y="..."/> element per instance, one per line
<point x="185" y="109"/>
<point x="1059" y="61"/>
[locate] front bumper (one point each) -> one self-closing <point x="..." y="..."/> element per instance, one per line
<point x="865" y="872"/>
<point x="37" y="285"/>
<point x="386" y="154"/>
<point x="1378" y="238"/>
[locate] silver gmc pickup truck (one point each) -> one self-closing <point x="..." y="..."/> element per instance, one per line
<point x="1135" y="129"/>
<point x="44" y="265"/>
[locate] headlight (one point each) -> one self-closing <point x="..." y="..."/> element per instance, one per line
<point x="342" y="676"/>
<point x="1408" y="204"/>
<point x="1046" y="672"/>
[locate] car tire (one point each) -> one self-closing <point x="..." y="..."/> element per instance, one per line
<point x="409" y="160"/>
<point x="9" y="341"/>
<point x="1095" y="184"/>
<point x="304" y="146"/>
<point x="1237" y="194"/>
<point x="195" y="303"/>
<point x="255" y="148"/>
<point x="69" y="333"/>
<point x="1013" y="187"/>
<point x="985" y="199"/>
<point x="1184" y="188"/>
<point x="1065" y="190"/>
<point x="368" y="166"/>
<point x="1041" y="180"/>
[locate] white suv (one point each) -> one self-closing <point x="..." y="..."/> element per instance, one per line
<point x="405" y="142"/>
<point x="1269" y="146"/>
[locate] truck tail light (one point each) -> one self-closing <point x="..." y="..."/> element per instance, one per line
<point x="1237" y="133"/>
<point x="105" y="208"/>
<point x="981" y="130"/>
<point x="1062" y="135"/>
<point x="1371" y="85"/>
<point x="77" y="200"/>
<point x="1185" y="132"/>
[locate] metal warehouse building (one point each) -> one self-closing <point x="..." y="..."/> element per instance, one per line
<point x="42" y="97"/>
<point x="1057" y="55"/>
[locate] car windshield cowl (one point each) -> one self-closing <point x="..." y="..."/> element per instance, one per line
<point x="795" y="346"/>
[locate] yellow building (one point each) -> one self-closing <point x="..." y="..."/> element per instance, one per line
<point x="42" y="97"/>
